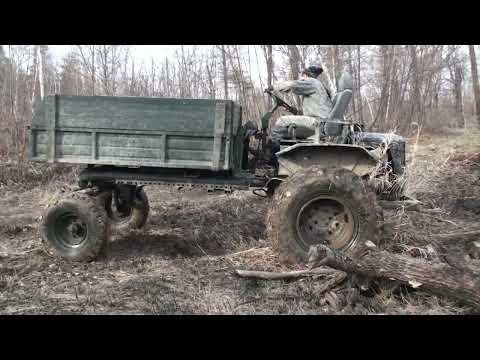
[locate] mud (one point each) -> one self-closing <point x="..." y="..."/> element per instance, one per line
<point x="183" y="261"/>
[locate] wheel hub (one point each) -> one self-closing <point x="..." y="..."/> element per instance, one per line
<point x="70" y="230"/>
<point x="326" y="221"/>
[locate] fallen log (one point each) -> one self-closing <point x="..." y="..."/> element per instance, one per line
<point x="466" y="242"/>
<point x="330" y="277"/>
<point x="466" y="235"/>
<point x="437" y="277"/>
<point x="403" y="204"/>
<point x="267" y="275"/>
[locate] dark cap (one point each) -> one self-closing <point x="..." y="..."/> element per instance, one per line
<point x="313" y="71"/>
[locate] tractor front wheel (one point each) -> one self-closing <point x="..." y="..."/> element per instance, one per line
<point x="328" y="206"/>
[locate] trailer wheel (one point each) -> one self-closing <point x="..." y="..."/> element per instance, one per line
<point x="329" y="206"/>
<point x="125" y="214"/>
<point x="75" y="228"/>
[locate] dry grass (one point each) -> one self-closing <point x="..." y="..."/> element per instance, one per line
<point x="444" y="176"/>
<point x="183" y="261"/>
<point x="28" y="175"/>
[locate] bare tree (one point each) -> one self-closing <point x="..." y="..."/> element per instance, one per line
<point x="475" y="83"/>
<point x="394" y="85"/>
<point x="456" y="71"/>
<point x="87" y="55"/>
<point x="268" y="52"/>
<point x="40" y="71"/>
<point x="359" y="84"/>
<point x="225" y="71"/>
<point x="337" y="63"/>
<point x="294" y="59"/>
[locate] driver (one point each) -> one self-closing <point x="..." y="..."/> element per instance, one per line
<point x="317" y="104"/>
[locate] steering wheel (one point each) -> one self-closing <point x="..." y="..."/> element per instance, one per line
<point x="280" y="102"/>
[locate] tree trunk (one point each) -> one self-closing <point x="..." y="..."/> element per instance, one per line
<point x="294" y="59"/>
<point x="93" y="70"/>
<point x="459" y="112"/>
<point x="392" y="72"/>
<point x="329" y="278"/>
<point x="268" y="275"/>
<point x="384" y="95"/>
<point x="241" y="79"/>
<point x="35" y="74"/>
<point x="329" y="83"/>
<point x="350" y="68"/>
<point x="225" y="72"/>
<point x="337" y="63"/>
<point x="475" y="83"/>
<point x="270" y="65"/>
<point x="460" y="283"/>
<point x="40" y="71"/>
<point x="416" y="96"/>
<point x="359" y="84"/>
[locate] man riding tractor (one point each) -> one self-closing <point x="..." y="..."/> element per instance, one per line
<point x="317" y="104"/>
<point x="323" y="121"/>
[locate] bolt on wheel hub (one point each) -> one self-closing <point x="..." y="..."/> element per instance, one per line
<point x="70" y="230"/>
<point x="327" y="221"/>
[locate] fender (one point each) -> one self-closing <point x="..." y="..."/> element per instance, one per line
<point x="396" y="147"/>
<point x="351" y="157"/>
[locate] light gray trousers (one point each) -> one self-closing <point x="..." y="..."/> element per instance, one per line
<point x="305" y="127"/>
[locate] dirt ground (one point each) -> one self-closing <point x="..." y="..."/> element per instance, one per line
<point x="183" y="261"/>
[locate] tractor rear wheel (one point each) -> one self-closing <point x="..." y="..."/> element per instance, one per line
<point x="328" y="206"/>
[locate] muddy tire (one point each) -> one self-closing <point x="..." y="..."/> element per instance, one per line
<point x="75" y="228"/>
<point x="397" y="190"/>
<point x="329" y="206"/>
<point x="131" y="216"/>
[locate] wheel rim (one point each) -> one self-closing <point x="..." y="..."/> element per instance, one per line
<point x="70" y="230"/>
<point x="328" y="221"/>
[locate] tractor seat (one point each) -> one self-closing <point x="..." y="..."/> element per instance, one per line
<point x="334" y="125"/>
<point x="342" y="98"/>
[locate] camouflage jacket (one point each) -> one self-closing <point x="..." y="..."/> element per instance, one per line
<point x="316" y="100"/>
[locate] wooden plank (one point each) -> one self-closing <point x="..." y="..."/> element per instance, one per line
<point x="31" y="143"/>
<point x="51" y="117"/>
<point x="127" y="132"/>
<point x="226" y="162"/>
<point x="162" y="149"/>
<point x="220" y="114"/>
<point x="94" y="144"/>
<point x="237" y="142"/>
<point x="174" y="164"/>
<point x="138" y="114"/>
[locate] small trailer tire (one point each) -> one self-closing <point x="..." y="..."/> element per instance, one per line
<point x="134" y="214"/>
<point x="76" y="228"/>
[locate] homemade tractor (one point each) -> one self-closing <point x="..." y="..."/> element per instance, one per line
<point x="323" y="189"/>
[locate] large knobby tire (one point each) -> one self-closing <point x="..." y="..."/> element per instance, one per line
<point x="327" y="206"/>
<point x="133" y="216"/>
<point x="75" y="228"/>
<point x="390" y="186"/>
<point x="397" y="190"/>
